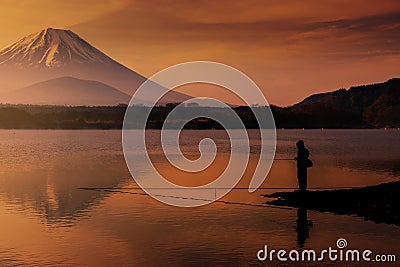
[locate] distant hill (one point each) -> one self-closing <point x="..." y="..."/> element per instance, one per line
<point x="67" y="91"/>
<point x="374" y="105"/>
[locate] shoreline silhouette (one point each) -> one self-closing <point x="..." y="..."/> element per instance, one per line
<point x="334" y="110"/>
<point x="378" y="203"/>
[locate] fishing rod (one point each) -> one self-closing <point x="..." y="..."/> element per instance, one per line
<point x="264" y="205"/>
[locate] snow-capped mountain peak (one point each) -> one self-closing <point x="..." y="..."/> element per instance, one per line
<point x="51" y="48"/>
<point x="54" y="53"/>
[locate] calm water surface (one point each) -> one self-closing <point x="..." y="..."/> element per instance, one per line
<point x="47" y="220"/>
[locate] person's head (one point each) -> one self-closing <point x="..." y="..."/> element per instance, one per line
<point x="300" y="144"/>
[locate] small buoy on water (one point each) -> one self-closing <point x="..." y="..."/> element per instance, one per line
<point x="322" y="129"/>
<point x="302" y="129"/>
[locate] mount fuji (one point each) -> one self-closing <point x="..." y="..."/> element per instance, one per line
<point x="54" y="53"/>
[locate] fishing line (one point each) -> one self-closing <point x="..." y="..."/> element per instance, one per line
<point x="114" y="190"/>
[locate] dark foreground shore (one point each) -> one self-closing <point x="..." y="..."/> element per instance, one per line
<point x="379" y="203"/>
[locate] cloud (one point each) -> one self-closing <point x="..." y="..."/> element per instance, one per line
<point x="231" y="21"/>
<point x="19" y="18"/>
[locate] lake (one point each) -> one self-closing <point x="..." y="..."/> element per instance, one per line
<point x="48" y="220"/>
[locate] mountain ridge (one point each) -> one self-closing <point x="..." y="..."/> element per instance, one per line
<point x="375" y="87"/>
<point x="53" y="53"/>
<point x="376" y="105"/>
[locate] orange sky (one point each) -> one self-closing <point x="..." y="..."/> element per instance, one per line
<point x="291" y="49"/>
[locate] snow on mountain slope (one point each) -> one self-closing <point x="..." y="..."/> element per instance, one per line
<point x="51" y="48"/>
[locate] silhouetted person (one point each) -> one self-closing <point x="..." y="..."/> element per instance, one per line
<point x="303" y="162"/>
<point x="302" y="224"/>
